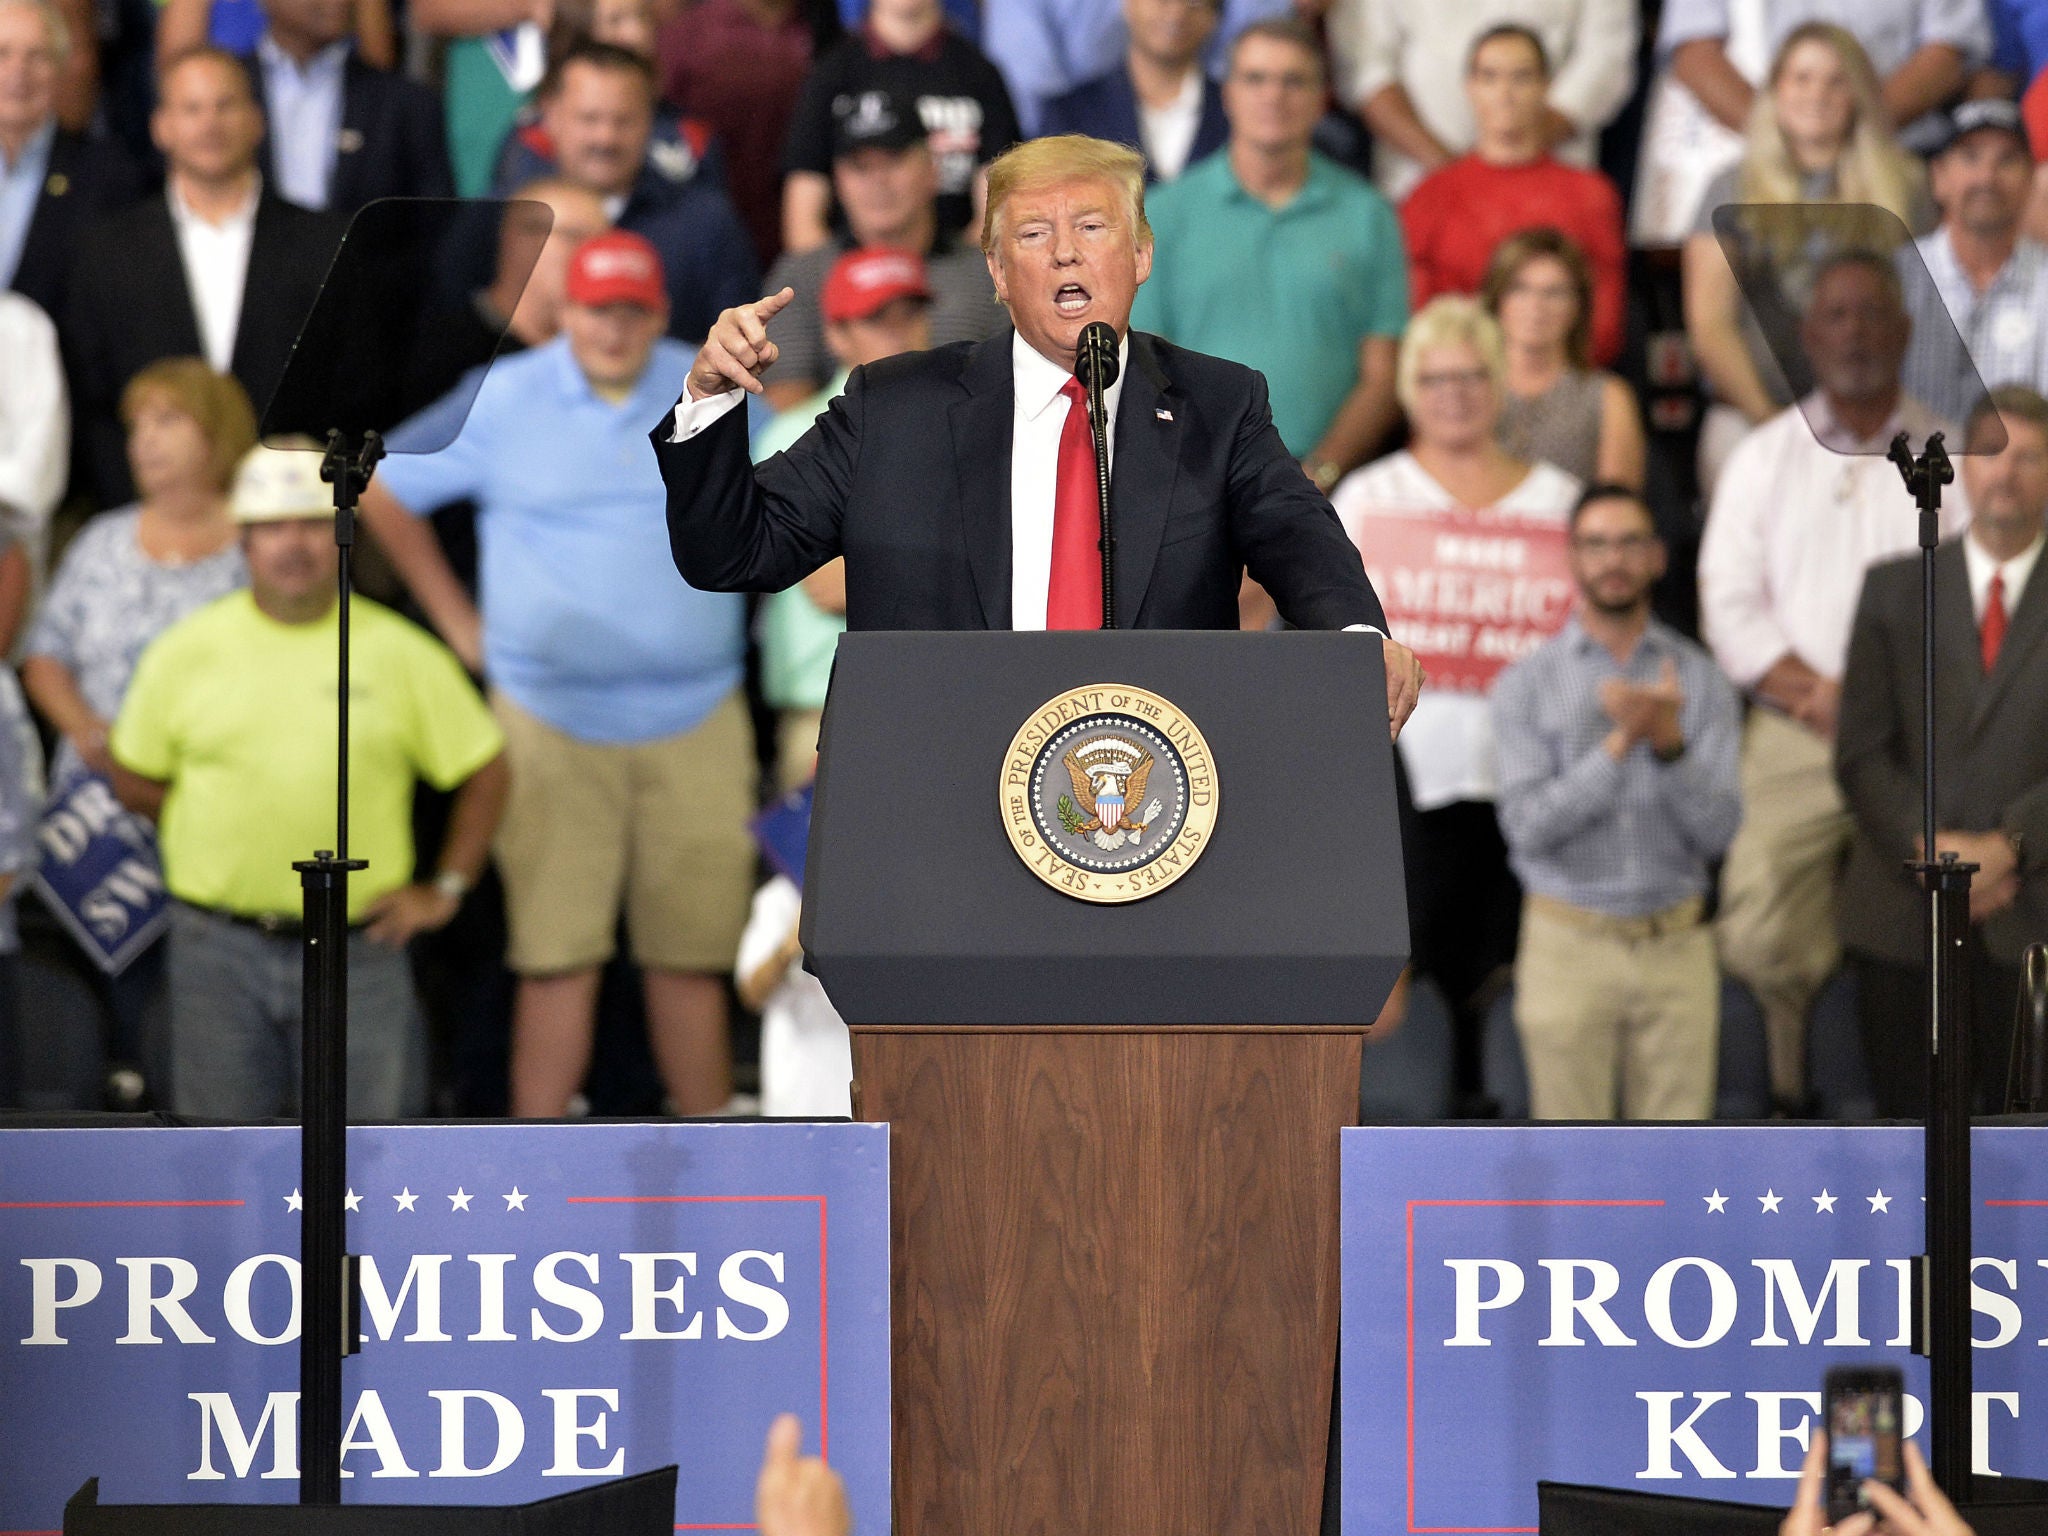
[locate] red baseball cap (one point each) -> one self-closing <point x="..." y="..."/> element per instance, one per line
<point x="617" y="268"/>
<point x="861" y="282"/>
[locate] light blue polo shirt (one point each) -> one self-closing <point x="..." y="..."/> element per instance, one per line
<point x="1290" y="291"/>
<point x="586" y="622"/>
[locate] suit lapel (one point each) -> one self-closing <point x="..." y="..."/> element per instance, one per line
<point x="2027" y="628"/>
<point x="1143" y="466"/>
<point x="160" y="251"/>
<point x="262" y="259"/>
<point x="982" y="426"/>
<point x="1958" y="676"/>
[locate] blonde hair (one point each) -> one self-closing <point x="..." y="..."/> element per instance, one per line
<point x="53" y="23"/>
<point x="1043" y="162"/>
<point x="1870" y="168"/>
<point x="216" y="401"/>
<point x="1451" y="320"/>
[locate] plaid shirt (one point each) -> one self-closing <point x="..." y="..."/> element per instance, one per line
<point x="1626" y="838"/>
<point x="2003" y="331"/>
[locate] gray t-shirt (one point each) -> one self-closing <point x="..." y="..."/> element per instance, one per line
<point x="964" y="306"/>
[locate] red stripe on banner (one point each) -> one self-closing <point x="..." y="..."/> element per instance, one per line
<point x="109" y="1205"/>
<point x="2008" y="1204"/>
<point x="1468" y="1530"/>
<point x="824" y="1305"/>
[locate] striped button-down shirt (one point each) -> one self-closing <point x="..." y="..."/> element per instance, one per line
<point x="1625" y="838"/>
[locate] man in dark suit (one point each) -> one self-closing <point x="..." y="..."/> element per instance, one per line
<point x="217" y="267"/>
<point x="906" y="473"/>
<point x="1159" y="101"/>
<point x="52" y="182"/>
<point x="342" y="132"/>
<point x="1991" y="764"/>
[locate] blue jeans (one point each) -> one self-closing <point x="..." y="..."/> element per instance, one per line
<point x="236" y="1002"/>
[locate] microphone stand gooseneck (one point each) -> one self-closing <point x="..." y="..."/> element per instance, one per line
<point x="1095" y="364"/>
<point x="1942" y="1296"/>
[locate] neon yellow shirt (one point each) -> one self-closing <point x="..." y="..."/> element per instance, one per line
<point x="235" y="712"/>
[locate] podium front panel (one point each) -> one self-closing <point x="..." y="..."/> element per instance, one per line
<point x="918" y="910"/>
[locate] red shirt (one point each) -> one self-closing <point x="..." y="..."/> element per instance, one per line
<point x="719" y="64"/>
<point x="1455" y="218"/>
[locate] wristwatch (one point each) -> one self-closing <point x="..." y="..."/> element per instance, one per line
<point x="453" y="884"/>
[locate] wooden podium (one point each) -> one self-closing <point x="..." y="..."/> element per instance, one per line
<point x="1114" y="1148"/>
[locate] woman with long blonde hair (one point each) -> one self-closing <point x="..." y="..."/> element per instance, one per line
<point x="1818" y="133"/>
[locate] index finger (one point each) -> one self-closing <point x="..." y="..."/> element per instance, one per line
<point x="774" y="304"/>
<point x="1811" y="1472"/>
<point x="785" y="1439"/>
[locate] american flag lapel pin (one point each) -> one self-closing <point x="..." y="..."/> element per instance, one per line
<point x="1162" y="413"/>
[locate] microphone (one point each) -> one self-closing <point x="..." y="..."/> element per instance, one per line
<point x="1095" y="357"/>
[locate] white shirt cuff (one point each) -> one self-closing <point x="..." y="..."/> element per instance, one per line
<point x="1366" y="628"/>
<point x="693" y="415"/>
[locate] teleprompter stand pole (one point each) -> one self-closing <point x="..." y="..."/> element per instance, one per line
<point x="1942" y="1297"/>
<point x="329" y="1327"/>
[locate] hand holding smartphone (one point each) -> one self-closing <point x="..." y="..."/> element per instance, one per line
<point x="1863" y="1410"/>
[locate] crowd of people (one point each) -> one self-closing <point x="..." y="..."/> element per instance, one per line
<point x="1643" y="290"/>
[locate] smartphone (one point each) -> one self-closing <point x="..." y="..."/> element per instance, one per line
<point x="1863" y="1409"/>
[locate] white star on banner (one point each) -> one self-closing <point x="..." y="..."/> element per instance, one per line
<point x="1879" y="1202"/>
<point x="1717" y="1203"/>
<point x="1823" y="1202"/>
<point x="459" y="1200"/>
<point x="1770" y="1200"/>
<point x="294" y="1201"/>
<point x="405" y="1198"/>
<point x="351" y="1201"/>
<point x="515" y="1201"/>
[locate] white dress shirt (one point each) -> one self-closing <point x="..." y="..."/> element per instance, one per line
<point x="1169" y="132"/>
<point x="304" y="104"/>
<point x="1041" y="415"/>
<point x="35" y="423"/>
<point x="1983" y="565"/>
<point x="1794" y="526"/>
<point x="216" y="262"/>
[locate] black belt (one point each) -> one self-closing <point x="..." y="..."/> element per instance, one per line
<point x="275" y="925"/>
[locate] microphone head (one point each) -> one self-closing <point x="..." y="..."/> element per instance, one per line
<point x="1095" y="355"/>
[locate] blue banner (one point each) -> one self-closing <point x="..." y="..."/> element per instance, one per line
<point x="1653" y="1307"/>
<point x="543" y="1307"/>
<point x="98" y="871"/>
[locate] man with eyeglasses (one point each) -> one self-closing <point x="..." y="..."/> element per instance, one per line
<point x="1272" y="256"/>
<point x="1617" y="741"/>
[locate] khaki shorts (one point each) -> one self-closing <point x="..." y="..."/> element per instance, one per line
<point x="661" y="825"/>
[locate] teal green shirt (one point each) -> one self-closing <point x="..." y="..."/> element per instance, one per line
<point x="797" y="636"/>
<point x="1290" y="291"/>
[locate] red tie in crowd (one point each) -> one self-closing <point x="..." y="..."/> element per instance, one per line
<point x="1073" y="599"/>
<point x="1992" y="631"/>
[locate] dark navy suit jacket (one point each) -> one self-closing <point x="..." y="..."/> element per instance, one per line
<point x="907" y="474"/>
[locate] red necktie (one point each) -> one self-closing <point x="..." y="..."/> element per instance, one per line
<point x="1993" y="628"/>
<point x="1073" y="599"/>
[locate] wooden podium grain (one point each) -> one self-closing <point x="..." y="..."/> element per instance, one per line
<point x="1114" y="1274"/>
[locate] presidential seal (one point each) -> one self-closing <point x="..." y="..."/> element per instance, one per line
<point x="1108" y="793"/>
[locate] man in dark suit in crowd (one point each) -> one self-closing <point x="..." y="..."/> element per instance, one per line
<point x="218" y="266"/>
<point x="905" y="474"/>
<point x="52" y="182"/>
<point x="1160" y="100"/>
<point x="1991" y="762"/>
<point x="342" y="132"/>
